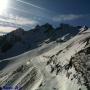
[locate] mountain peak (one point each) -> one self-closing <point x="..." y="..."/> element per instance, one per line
<point x="47" y="25"/>
<point x="83" y="28"/>
<point x="18" y="32"/>
<point x="20" y="29"/>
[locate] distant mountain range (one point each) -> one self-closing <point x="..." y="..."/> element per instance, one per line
<point x="20" y="41"/>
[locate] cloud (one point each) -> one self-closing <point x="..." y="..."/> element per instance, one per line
<point x="9" y="22"/>
<point x="66" y="17"/>
<point x="30" y="4"/>
<point x="5" y="29"/>
<point x="10" y="18"/>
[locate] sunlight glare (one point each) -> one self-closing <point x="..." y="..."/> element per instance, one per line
<point x="3" y="5"/>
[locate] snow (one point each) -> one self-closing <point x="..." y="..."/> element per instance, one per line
<point x="36" y="63"/>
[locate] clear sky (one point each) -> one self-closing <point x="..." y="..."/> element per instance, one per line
<point x="28" y="13"/>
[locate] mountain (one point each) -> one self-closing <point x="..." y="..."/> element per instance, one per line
<point x="20" y="41"/>
<point x="51" y="66"/>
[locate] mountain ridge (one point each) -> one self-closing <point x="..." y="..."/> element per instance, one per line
<point x="20" y="41"/>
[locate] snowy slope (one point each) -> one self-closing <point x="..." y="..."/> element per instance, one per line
<point x="48" y="67"/>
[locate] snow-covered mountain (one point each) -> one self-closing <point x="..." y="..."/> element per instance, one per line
<point x="52" y="66"/>
<point x="20" y="41"/>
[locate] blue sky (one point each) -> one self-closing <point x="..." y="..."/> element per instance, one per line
<point x="29" y="13"/>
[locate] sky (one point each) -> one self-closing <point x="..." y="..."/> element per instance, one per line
<point x="28" y="13"/>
